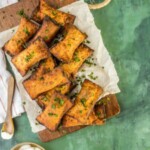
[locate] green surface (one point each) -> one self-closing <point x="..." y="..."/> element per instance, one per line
<point x="125" y="27"/>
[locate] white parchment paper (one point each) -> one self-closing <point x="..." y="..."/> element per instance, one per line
<point x="104" y="71"/>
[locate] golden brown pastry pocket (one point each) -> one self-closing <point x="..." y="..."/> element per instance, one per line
<point x="46" y="82"/>
<point x="54" y="111"/>
<point x="25" y="31"/>
<point x="65" y="49"/>
<point x="30" y="56"/>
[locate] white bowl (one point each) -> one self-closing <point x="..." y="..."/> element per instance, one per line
<point x="27" y="143"/>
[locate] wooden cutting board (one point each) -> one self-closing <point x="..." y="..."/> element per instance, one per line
<point x="9" y="19"/>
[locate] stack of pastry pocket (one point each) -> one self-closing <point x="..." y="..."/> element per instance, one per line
<point x="51" y="81"/>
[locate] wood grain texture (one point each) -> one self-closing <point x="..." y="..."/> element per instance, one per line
<point x="9" y="17"/>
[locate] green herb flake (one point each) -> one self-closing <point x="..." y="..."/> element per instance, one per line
<point x="80" y="111"/>
<point x="47" y="30"/>
<point x="54" y="13"/>
<point x="44" y="98"/>
<point x="83" y="70"/>
<point x="21" y="13"/>
<point x="76" y="59"/>
<point x="80" y="78"/>
<point x="19" y="41"/>
<point x="83" y="101"/>
<point x="74" y="95"/>
<point x="108" y="98"/>
<point x="29" y="57"/>
<point x="24" y="45"/>
<point x="59" y="100"/>
<point x="52" y="114"/>
<point x="36" y="123"/>
<point x="13" y="31"/>
<point x="53" y="106"/>
<point x="46" y="38"/>
<point x="91" y="75"/>
<point x="69" y="44"/>
<point x="41" y="78"/>
<point x="25" y="30"/>
<point x="87" y="41"/>
<point x="24" y="103"/>
<point x="98" y="114"/>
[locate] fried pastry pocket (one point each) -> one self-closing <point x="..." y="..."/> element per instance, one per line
<point x="30" y="56"/>
<point x="25" y="31"/>
<point x="54" y="111"/>
<point x="46" y="82"/>
<point x="85" y="101"/>
<point x="65" y="49"/>
<point x="47" y="31"/>
<point x="44" y="99"/>
<point x="44" y="9"/>
<point x="80" y="55"/>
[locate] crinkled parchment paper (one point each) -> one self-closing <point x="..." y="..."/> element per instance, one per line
<point x="104" y="71"/>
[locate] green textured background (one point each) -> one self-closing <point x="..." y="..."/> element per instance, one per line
<point x="125" y="28"/>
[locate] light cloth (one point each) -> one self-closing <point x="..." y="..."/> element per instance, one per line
<point x="17" y="107"/>
<point x="4" y="3"/>
<point x="105" y="70"/>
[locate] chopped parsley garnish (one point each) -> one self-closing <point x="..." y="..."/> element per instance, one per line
<point x="53" y="106"/>
<point x="80" y="79"/>
<point x="69" y="44"/>
<point x="90" y="62"/>
<point x="98" y="114"/>
<point x="36" y="123"/>
<point x="46" y="30"/>
<point x="91" y="75"/>
<point x="103" y="101"/>
<point x="24" y="103"/>
<point x="22" y="13"/>
<point x="46" y="38"/>
<point x="24" y="45"/>
<point x="74" y="95"/>
<point x="19" y="41"/>
<point x="29" y="57"/>
<point x="54" y="13"/>
<point x="13" y="31"/>
<point x="52" y="114"/>
<point x="41" y="78"/>
<point x="83" y="70"/>
<point x="80" y="111"/>
<point x="44" y="98"/>
<point x="87" y="41"/>
<point x="59" y="100"/>
<point x="76" y="58"/>
<point x="25" y="30"/>
<point x="83" y="101"/>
